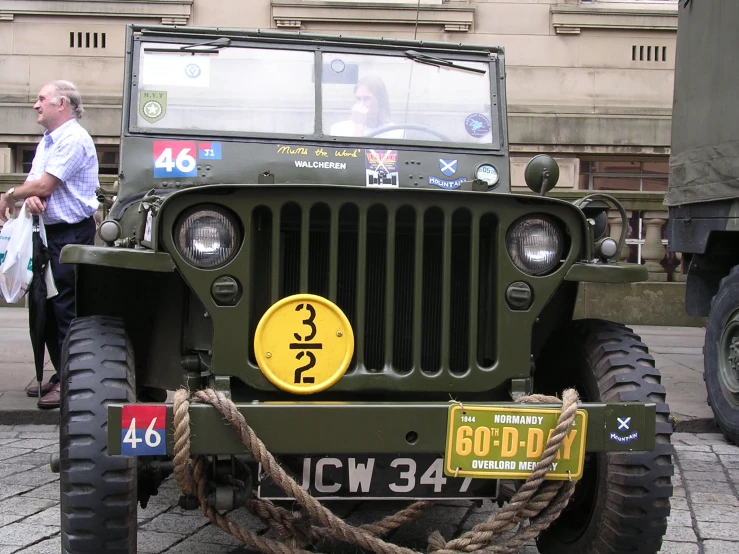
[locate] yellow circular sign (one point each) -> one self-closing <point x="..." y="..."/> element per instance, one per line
<point x="304" y="344"/>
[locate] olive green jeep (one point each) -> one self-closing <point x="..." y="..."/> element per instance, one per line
<point x="323" y="229"/>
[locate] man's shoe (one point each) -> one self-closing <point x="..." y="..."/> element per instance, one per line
<point x="52" y="399"/>
<point x="32" y="391"/>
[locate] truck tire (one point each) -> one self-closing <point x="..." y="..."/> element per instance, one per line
<point x="623" y="500"/>
<point x="98" y="492"/>
<point x="721" y="356"/>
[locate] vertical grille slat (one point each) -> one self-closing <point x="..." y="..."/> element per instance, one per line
<point x="274" y="290"/>
<point x="486" y="292"/>
<point x="460" y="298"/>
<point x="263" y="274"/>
<point x="418" y="293"/>
<point x="346" y="286"/>
<point x="319" y="257"/>
<point x="433" y="245"/>
<point x="446" y="285"/>
<point x="305" y="223"/>
<point x="361" y="286"/>
<point x="374" y="330"/>
<point x="403" y="287"/>
<point x="390" y="287"/>
<point x="291" y="216"/>
<point x="333" y="263"/>
<point x="474" y="288"/>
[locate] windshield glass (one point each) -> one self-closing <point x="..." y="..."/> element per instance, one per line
<point x="364" y="94"/>
<point x="272" y="91"/>
<point x="231" y="89"/>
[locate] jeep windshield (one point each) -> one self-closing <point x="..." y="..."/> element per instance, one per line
<point x="381" y="96"/>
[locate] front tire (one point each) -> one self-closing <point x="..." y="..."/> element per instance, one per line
<point x="623" y="500"/>
<point x="721" y="356"/>
<point x="98" y="492"/>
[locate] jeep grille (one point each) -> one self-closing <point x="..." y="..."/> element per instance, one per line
<point x="407" y="277"/>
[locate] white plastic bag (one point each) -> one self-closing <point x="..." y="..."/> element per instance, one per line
<point x="16" y="250"/>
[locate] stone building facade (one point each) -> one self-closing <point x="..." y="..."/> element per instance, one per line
<point x="589" y="81"/>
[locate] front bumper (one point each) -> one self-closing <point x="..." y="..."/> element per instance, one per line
<point x="368" y="427"/>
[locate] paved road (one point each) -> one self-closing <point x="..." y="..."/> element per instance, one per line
<point x="705" y="506"/>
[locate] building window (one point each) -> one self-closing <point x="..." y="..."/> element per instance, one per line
<point x="108" y="159"/>
<point x="634" y="175"/>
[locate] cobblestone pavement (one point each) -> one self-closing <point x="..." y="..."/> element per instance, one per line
<point x="705" y="506"/>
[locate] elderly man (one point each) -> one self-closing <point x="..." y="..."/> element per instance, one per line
<point x="61" y="188"/>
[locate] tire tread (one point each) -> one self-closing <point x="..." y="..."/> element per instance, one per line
<point x="731" y="435"/>
<point x="633" y="517"/>
<point x="98" y="501"/>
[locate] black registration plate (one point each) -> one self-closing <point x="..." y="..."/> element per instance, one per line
<point x="376" y="477"/>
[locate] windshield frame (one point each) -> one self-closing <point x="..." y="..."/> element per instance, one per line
<point x="493" y="62"/>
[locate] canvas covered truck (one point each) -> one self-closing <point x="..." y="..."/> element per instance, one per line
<point x="703" y="193"/>
<point x="339" y="288"/>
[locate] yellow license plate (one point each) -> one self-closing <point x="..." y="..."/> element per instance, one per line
<point x="304" y="344"/>
<point x="506" y="443"/>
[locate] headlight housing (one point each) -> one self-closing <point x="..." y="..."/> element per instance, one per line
<point x="207" y="236"/>
<point x="535" y="244"/>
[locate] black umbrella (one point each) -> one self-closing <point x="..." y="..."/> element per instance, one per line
<point x="37" y="301"/>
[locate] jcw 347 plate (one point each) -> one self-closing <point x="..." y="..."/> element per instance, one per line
<point x="376" y="477"/>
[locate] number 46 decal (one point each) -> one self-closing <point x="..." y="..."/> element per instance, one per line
<point x="175" y="158"/>
<point x="143" y="430"/>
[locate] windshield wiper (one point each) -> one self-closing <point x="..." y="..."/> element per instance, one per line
<point x="440" y="62"/>
<point x="212" y="46"/>
<point x="215" y="45"/>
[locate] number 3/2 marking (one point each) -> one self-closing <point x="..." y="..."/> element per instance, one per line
<point x="305" y="346"/>
<point x="299" y="372"/>
<point x="308" y="322"/>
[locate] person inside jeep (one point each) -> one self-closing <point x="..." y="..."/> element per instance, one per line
<point x="371" y="111"/>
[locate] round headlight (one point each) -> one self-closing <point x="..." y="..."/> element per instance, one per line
<point x="489" y="174"/>
<point x="534" y="244"/>
<point x="207" y="238"/>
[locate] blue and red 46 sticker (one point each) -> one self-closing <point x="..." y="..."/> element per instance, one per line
<point x="143" y="430"/>
<point x="178" y="158"/>
<point x="174" y="158"/>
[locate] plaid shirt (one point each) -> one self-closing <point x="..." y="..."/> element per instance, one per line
<point x="68" y="154"/>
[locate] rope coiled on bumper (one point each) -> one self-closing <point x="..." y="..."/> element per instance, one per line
<point x="536" y="501"/>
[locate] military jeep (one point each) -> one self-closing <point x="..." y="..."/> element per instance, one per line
<point x="341" y="288"/>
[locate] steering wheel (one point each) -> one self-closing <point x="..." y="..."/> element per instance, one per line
<point x="409" y="127"/>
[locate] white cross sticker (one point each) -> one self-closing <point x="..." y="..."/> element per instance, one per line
<point x="623" y="423"/>
<point x="450" y="166"/>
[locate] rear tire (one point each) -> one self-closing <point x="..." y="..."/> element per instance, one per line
<point x="98" y="492"/>
<point x="623" y="500"/>
<point x="721" y="356"/>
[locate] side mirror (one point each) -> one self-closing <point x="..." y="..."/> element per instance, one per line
<point x="542" y="174"/>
